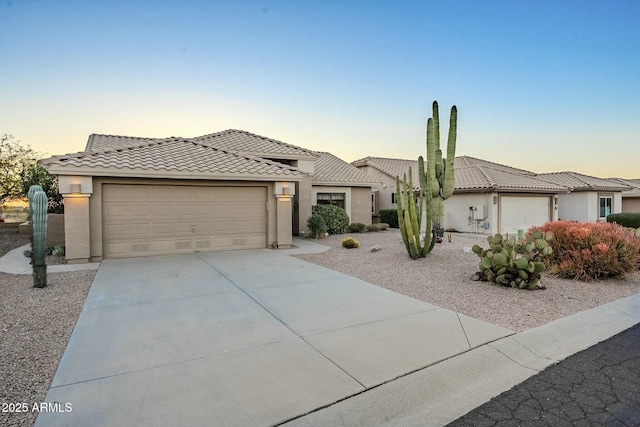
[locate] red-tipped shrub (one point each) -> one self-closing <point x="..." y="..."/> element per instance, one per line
<point x="591" y="251"/>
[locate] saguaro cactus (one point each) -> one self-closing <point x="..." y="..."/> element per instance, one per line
<point x="38" y="213"/>
<point x="436" y="184"/>
<point x="440" y="169"/>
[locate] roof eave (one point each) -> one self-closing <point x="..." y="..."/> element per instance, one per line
<point x="344" y="184"/>
<point x="172" y="174"/>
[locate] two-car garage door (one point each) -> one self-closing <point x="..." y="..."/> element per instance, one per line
<point x="522" y="212"/>
<point x="140" y="220"/>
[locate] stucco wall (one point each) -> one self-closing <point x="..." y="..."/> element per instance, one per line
<point x="617" y="202"/>
<point x="388" y="186"/>
<point x="457" y="213"/>
<point x="631" y="204"/>
<point x="302" y="205"/>
<point x="361" y="205"/>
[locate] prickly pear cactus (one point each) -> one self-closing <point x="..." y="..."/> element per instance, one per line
<point x="38" y="211"/>
<point x="514" y="262"/>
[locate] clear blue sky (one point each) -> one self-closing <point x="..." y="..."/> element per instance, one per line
<point x="539" y="85"/>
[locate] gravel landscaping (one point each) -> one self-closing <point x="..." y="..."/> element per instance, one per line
<point x="443" y="279"/>
<point x="35" y="326"/>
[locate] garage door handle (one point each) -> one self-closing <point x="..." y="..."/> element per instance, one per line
<point x="193" y="228"/>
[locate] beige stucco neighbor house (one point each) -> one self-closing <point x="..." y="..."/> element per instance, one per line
<point x="340" y="183"/>
<point x="488" y="197"/>
<point x="631" y="197"/>
<point x="591" y="199"/>
<point x="128" y="196"/>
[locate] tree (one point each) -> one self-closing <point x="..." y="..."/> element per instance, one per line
<point x="15" y="159"/>
<point x="37" y="175"/>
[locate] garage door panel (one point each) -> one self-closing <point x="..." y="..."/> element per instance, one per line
<point x="523" y="212"/>
<point x="139" y="230"/>
<point x="153" y="220"/>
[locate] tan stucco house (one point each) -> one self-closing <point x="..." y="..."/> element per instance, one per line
<point x="129" y="196"/>
<point x="488" y="197"/>
<point x="591" y="199"/>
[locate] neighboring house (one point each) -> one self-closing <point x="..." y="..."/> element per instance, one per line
<point x="631" y="197"/>
<point x="337" y="182"/>
<point x="591" y="199"/>
<point x="488" y="197"/>
<point x="127" y="196"/>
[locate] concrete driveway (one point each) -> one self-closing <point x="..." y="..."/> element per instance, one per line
<point x="240" y="338"/>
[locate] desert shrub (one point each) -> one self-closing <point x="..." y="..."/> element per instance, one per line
<point x="335" y="217"/>
<point x="350" y="243"/>
<point x="591" y="251"/>
<point x="357" y="227"/>
<point x="514" y="262"/>
<point x="389" y="216"/>
<point x="631" y="220"/>
<point x="382" y="226"/>
<point x="377" y="227"/>
<point x="317" y="226"/>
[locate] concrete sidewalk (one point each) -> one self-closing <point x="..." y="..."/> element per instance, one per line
<point x="241" y="338"/>
<point x="14" y="262"/>
<point x="441" y="393"/>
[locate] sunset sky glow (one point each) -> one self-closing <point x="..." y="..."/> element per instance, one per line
<point x="543" y="86"/>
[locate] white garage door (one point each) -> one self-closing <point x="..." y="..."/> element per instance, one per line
<point x="141" y="220"/>
<point x="522" y="212"/>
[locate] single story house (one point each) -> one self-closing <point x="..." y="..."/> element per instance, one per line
<point x="631" y="197"/>
<point x="591" y="199"/>
<point x="129" y="196"/>
<point x="488" y="197"/>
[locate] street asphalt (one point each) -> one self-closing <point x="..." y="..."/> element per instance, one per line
<point x="599" y="386"/>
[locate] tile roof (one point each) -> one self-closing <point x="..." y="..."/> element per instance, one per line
<point x="481" y="177"/>
<point x="634" y="185"/>
<point x="471" y="174"/>
<point x="392" y="167"/>
<point x="463" y="161"/>
<point x="243" y="142"/>
<point x="331" y="170"/>
<point x="110" y="142"/>
<point x="169" y="158"/>
<point x="580" y="182"/>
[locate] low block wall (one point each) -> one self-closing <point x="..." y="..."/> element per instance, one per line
<point x="55" y="229"/>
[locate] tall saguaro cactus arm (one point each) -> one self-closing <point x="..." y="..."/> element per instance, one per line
<point x="449" y="177"/>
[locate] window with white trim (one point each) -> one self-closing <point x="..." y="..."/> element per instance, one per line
<point x="606" y="206"/>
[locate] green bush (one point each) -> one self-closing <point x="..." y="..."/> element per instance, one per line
<point x="631" y="220"/>
<point x="350" y="243"/>
<point x="357" y="227"/>
<point x="389" y="216"/>
<point x="335" y="217"/>
<point x="378" y="227"/>
<point x="591" y="250"/>
<point x="317" y="226"/>
<point x="514" y="262"/>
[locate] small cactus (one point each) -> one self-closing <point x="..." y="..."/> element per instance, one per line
<point x="350" y="243"/>
<point x="514" y="262"/>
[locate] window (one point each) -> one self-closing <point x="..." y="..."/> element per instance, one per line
<point x="331" y="199"/>
<point x="606" y="206"/>
<point x="393" y="198"/>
